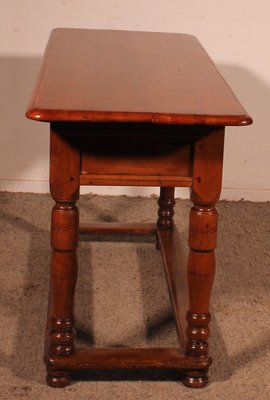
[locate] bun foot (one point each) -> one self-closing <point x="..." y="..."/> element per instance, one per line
<point x="196" y="379"/>
<point x="58" y="379"/>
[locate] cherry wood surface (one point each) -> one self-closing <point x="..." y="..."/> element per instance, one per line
<point x="127" y="358"/>
<point x="100" y="75"/>
<point x="134" y="108"/>
<point x="117" y="228"/>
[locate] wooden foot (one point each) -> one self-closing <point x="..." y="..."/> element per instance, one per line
<point x="58" y="379"/>
<point x="196" y="379"/>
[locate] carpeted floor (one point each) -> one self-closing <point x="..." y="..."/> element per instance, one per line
<point x="122" y="300"/>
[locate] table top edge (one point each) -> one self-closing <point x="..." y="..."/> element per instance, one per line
<point x="155" y="118"/>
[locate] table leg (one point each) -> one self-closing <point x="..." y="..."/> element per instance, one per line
<point x="207" y="175"/>
<point x="201" y="269"/>
<point x="166" y="204"/>
<point x="64" y="180"/>
<point x="65" y="223"/>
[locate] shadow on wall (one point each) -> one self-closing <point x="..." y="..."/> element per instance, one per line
<point x="24" y="144"/>
<point x="248" y="166"/>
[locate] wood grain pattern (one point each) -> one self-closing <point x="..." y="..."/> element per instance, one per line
<point x="99" y="75"/>
<point x="65" y="166"/>
<point x="207" y="167"/>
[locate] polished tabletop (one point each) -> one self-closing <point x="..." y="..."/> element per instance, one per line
<point x="126" y="76"/>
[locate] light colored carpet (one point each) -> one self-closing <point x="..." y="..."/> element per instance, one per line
<point x="122" y="300"/>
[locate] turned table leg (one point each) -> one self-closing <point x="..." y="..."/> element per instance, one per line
<point x="64" y="181"/>
<point x="207" y="176"/>
<point x="65" y="223"/>
<point x="166" y="204"/>
<point x="201" y="270"/>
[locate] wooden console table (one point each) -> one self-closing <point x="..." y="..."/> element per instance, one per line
<point x="134" y="109"/>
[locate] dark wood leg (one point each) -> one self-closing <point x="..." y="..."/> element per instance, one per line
<point x="166" y="204"/>
<point x="58" y="379"/>
<point x="205" y="193"/>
